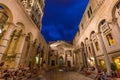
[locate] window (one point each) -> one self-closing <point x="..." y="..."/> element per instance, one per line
<point x="1" y="7"/>
<point x="118" y="7"/>
<point x="110" y="39"/>
<point x="97" y="46"/>
<point x="88" y="14"/>
<point x="90" y="10"/>
<point x="3" y="17"/>
<point x="102" y="63"/>
<point x="82" y="26"/>
<point x="119" y="12"/>
<point x="89" y="49"/>
<point x="117" y="62"/>
<point x="105" y="27"/>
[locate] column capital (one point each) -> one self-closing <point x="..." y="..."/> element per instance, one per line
<point x="10" y="24"/>
<point x="91" y="40"/>
<point x="99" y="33"/>
<point x="114" y="19"/>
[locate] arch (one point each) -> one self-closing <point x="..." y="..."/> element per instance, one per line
<point x="93" y="32"/>
<point x="99" y="25"/>
<point x="61" y="61"/>
<point x="35" y="42"/>
<point x="82" y="44"/>
<point x="14" y="31"/>
<point x="114" y="9"/>
<point x="30" y="35"/>
<point x="7" y="11"/>
<point x="27" y="51"/>
<point x="85" y="40"/>
<point x="21" y="26"/>
<point x="84" y="55"/>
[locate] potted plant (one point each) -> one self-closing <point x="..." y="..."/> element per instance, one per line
<point x="113" y="67"/>
<point x="114" y="70"/>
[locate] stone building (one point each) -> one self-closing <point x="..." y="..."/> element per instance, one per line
<point x="98" y="39"/>
<point x="61" y="54"/>
<point x="19" y="34"/>
<point x="34" y="9"/>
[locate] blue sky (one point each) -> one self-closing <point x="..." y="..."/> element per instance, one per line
<point x="61" y="19"/>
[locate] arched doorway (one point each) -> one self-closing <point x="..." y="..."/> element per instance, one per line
<point x="27" y="50"/>
<point x="116" y="12"/>
<point x="116" y="20"/>
<point x="61" y="61"/>
<point x="5" y="17"/>
<point x="84" y="57"/>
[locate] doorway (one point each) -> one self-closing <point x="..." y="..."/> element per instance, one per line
<point x="61" y="61"/>
<point x="53" y="63"/>
<point x="117" y="63"/>
<point x="103" y="65"/>
<point x="69" y="64"/>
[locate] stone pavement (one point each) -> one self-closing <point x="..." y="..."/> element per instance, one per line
<point x="60" y="74"/>
<point x="63" y="75"/>
<point x="93" y="76"/>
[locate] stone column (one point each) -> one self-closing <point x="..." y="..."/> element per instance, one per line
<point x="84" y="58"/>
<point x="104" y="51"/>
<point x="66" y="59"/>
<point x="73" y="57"/>
<point x="29" y="53"/>
<point x="79" y="59"/>
<point x="33" y="55"/>
<point x="87" y="56"/>
<point x="57" y="58"/>
<point x="5" y="39"/>
<point x="24" y="52"/>
<point x="20" y="50"/>
<point x="13" y="43"/>
<point x="94" y="55"/>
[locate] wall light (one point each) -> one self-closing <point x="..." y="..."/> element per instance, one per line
<point x="0" y="31"/>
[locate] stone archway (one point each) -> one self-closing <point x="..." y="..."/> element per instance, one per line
<point x="84" y="57"/>
<point x="103" y="27"/>
<point x="4" y="9"/>
<point x="115" y="9"/>
<point x="27" y="50"/>
<point x="61" y="61"/>
<point x="13" y="48"/>
<point x="116" y="13"/>
<point x="94" y="45"/>
<point x="5" y="17"/>
<point x="32" y="60"/>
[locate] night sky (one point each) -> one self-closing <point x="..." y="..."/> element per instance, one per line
<point x="61" y="19"/>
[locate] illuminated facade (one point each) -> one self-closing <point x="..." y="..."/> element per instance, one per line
<point x="19" y="35"/>
<point x="61" y="54"/>
<point x="97" y="40"/>
<point x="34" y="9"/>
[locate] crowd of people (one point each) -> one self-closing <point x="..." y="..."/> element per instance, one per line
<point x="101" y="74"/>
<point x="17" y="74"/>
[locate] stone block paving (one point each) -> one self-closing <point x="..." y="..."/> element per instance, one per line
<point x="62" y="75"/>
